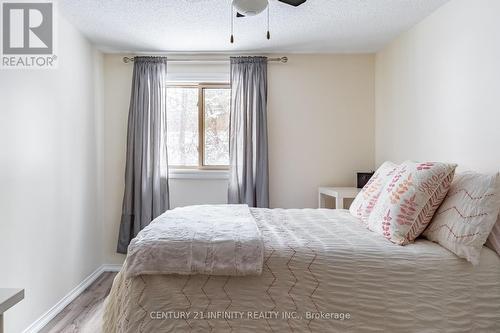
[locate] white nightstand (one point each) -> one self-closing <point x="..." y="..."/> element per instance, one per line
<point x="9" y="298"/>
<point x="339" y="193"/>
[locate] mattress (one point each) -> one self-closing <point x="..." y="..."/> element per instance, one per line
<point x="323" y="272"/>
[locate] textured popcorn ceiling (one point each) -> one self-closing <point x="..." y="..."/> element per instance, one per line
<point x="203" y="25"/>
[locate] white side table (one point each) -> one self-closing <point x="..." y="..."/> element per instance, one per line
<point x="9" y="298"/>
<point x="339" y="193"/>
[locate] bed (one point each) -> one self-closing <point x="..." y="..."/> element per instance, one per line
<point x="323" y="272"/>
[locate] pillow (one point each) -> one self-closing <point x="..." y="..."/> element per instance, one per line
<point x="366" y="199"/>
<point x="493" y="241"/>
<point x="465" y="219"/>
<point x="408" y="202"/>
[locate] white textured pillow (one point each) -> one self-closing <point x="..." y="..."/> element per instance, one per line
<point x="408" y="202"/>
<point x="366" y="199"/>
<point x="467" y="215"/>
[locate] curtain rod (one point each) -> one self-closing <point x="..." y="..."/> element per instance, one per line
<point x="280" y="59"/>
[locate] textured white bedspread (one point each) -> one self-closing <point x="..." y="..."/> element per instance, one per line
<point x="319" y="262"/>
<point x="207" y="239"/>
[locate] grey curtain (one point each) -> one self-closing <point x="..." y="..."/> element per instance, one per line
<point x="146" y="172"/>
<point x="249" y="172"/>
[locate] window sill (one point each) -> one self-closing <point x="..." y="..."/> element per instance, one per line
<point x="197" y="174"/>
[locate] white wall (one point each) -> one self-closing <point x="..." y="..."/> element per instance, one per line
<point x="50" y="166"/>
<point x="437" y="89"/>
<point x="321" y="116"/>
<point x="321" y="125"/>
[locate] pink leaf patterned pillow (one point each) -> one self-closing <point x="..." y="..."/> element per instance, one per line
<point x="467" y="215"/>
<point x="366" y="199"/>
<point x="408" y="201"/>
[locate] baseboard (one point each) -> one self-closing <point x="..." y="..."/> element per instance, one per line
<point x="111" y="268"/>
<point x="40" y="323"/>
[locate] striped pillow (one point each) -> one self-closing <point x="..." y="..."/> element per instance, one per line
<point x="408" y="202"/>
<point x="465" y="219"/>
<point x="366" y="199"/>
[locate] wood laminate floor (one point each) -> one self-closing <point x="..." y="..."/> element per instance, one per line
<point x="76" y="315"/>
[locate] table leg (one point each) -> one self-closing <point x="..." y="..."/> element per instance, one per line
<point x="321" y="201"/>
<point x="339" y="202"/>
<point x="1" y="322"/>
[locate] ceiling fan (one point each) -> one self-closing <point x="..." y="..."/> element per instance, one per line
<point x="254" y="7"/>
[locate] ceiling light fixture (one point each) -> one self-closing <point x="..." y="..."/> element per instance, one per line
<point x="250" y="7"/>
<point x="246" y="8"/>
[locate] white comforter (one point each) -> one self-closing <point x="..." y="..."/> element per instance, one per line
<point x="208" y="239"/>
<point x="319" y="265"/>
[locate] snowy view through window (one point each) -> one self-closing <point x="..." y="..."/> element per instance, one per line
<point x="183" y="125"/>
<point x="216" y="136"/>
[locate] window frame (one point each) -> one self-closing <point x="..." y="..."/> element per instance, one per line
<point x="201" y="86"/>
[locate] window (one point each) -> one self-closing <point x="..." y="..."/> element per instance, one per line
<point x="198" y="125"/>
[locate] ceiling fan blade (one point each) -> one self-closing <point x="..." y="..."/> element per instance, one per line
<point x="294" y="3"/>
<point x="239" y="15"/>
